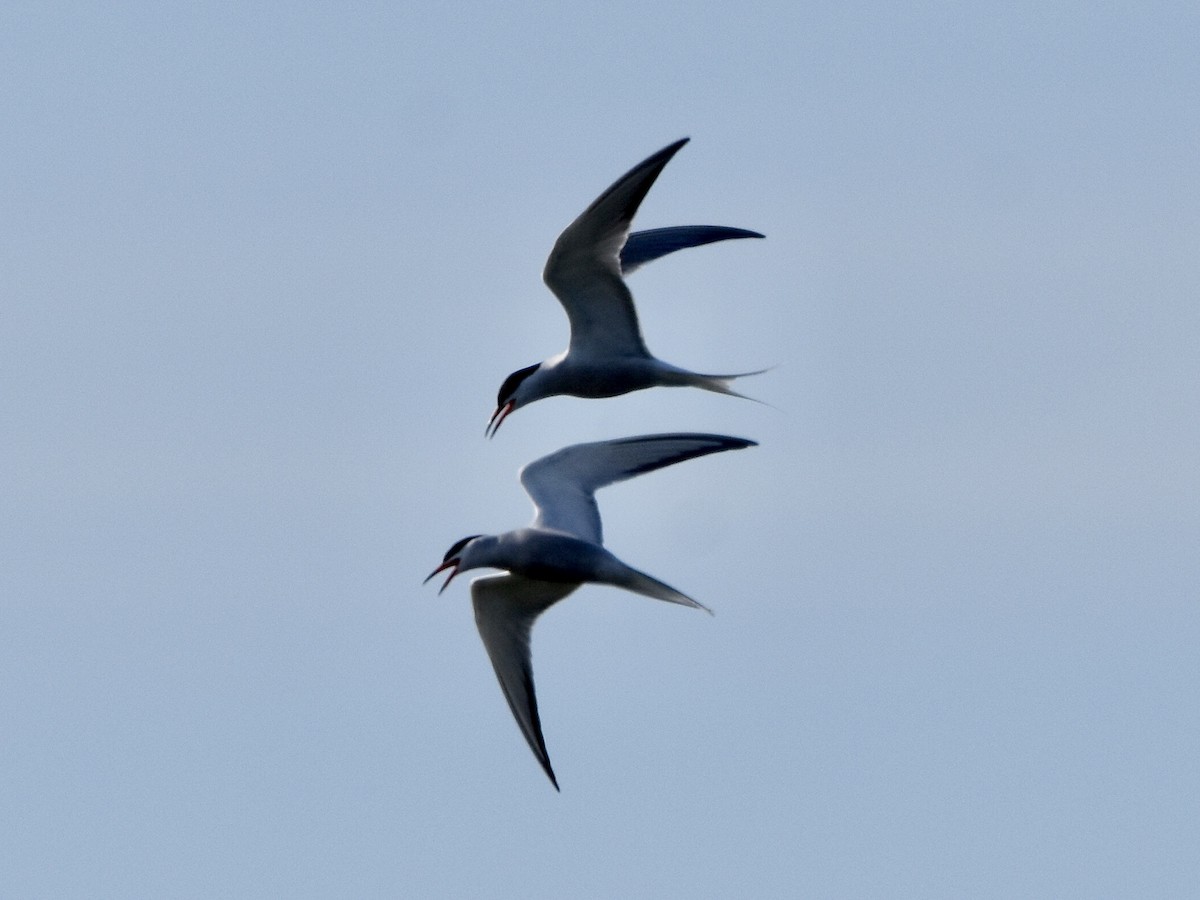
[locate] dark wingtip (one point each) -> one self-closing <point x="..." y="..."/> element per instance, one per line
<point x="661" y="158"/>
<point x="716" y="443"/>
<point x="646" y="246"/>
<point x="671" y="149"/>
<point x="542" y="756"/>
<point x="728" y="442"/>
<point x="724" y="440"/>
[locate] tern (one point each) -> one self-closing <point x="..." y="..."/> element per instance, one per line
<point x="561" y="550"/>
<point x="606" y="355"/>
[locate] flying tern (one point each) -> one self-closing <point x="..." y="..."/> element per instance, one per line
<point x="606" y="355"/>
<point x="561" y="550"/>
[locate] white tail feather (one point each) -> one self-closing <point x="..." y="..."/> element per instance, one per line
<point x="720" y="384"/>
<point x="641" y="583"/>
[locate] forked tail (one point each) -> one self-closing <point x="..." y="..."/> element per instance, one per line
<point x="719" y="384"/>
<point x="641" y="583"/>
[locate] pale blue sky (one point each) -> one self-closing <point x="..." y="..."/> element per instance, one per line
<point x="263" y="271"/>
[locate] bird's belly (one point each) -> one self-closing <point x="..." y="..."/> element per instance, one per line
<point x="610" y="379"/>
<point x="548" y="556"/>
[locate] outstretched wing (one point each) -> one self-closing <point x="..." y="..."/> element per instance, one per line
<point x="646" y="246"/>
<point x="563" y="484"/>
<point x="584" y="268"/>
<point x="505" y="609"/>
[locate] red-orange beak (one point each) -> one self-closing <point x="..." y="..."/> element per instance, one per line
<point x="497" y="418"/>
<point x="448" y="564"/>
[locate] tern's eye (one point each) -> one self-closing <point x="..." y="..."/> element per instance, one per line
<point x="457" y="547"/>
<point x="512" y="382"/>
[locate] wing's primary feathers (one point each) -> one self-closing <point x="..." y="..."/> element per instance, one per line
<point x="646" y="246"/>
<point x="563" y="484"/>
<point x="506" y="607"/>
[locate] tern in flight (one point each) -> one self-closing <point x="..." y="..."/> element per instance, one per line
<point x="561" y="550"/>
<point x="606" y="355"/>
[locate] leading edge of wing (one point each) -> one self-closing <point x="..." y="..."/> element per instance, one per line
<point x="599" y="232"/>
<point x="584" y="268"/>
<point x="562" y="485"/>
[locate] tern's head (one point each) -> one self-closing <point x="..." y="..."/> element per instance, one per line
<point x="513" y="394"/>
<point x="453" y="560"/>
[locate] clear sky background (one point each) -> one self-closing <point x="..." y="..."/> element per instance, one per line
<point x="263" y="270"/>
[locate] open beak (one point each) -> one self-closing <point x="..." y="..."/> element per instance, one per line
<point x="497" y="418"/>
<point x="448" y="564"/>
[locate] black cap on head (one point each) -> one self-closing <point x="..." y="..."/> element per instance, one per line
<point x="512" y="382"/>
<point x="457" y="546"/>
